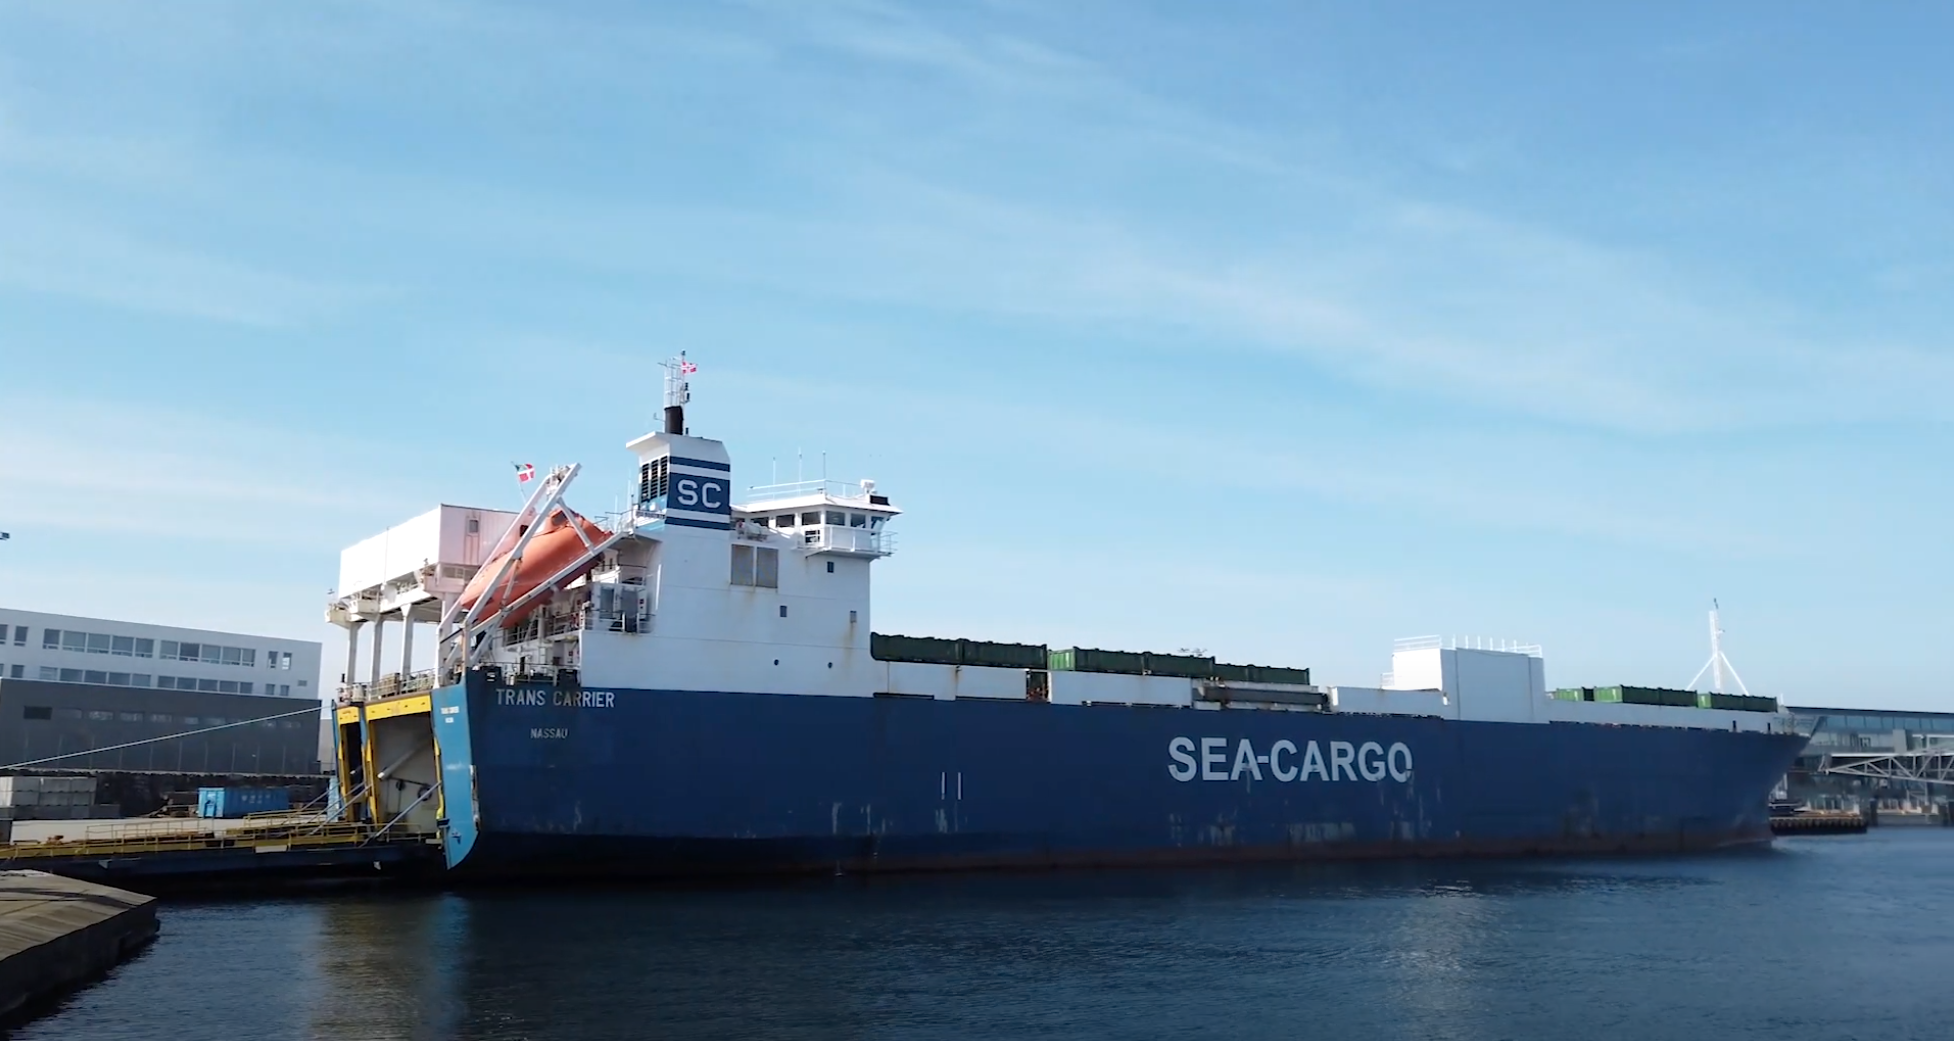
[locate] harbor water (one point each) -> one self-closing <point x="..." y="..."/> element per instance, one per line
<point x="1813" y="938"/>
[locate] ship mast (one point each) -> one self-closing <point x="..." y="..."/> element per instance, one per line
<point x="1718" y="663"/>
<point x="678" y="392"/>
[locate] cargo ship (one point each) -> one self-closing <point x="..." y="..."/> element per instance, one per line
<point x="692" y="685"/>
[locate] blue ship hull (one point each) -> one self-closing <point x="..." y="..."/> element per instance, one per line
<point x="540" y="782"/>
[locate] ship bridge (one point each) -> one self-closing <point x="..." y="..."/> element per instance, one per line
<point x="849" y="519"/>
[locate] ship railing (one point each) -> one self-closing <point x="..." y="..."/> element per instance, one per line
<point x="848" y="490"/>
<point x="835" y="538"/>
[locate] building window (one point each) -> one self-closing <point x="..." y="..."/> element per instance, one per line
<point x="851" y="618"/>
<point x="118" y="679"/>
<point x="233" y="655"/>
<point x="159" y="717"/>
<point x="139" y="679"/>
<point x="145" y="648"/>
<point x="244" y="687"/>
<point x="16" y="672"/>
<point x="125" y="646"/>
<point x="74" y="641"/>
<point x="37" y="712"/>
<point x="783" y="610"/>
<point x="71" y="675"/>
<point x="207" y="686"/>
<point x="831" y="567"/>
<point x="250" y="657"/>
<point x="95" y="676"/>
<point x="285" y="660"/>
<point x="49" y="672"/>
<point x="284" y="690"/>
<point x="227" y="686"/>
<point x="169" y="650"/>
<point x="20" y="636"/>
<point x="301" y="683"/>
<point x="129" y="717"/>
<point x="50" y="639"/>
<point x="100" y="714"/>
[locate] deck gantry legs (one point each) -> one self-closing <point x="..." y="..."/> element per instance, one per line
<point x="379" y="643"/>
<point x="406" y="646"/>
<point x="352" y="654"/>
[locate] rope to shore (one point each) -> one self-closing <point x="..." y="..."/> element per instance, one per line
<point x="314" y="712"/>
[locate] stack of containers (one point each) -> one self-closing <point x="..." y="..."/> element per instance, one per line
<point x="49" y="798"/>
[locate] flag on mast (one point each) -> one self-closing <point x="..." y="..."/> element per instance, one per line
<point x="524" y="471"/>
<point x="686" y="368"/>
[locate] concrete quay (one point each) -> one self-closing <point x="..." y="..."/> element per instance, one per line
<point x="58" y="933"/>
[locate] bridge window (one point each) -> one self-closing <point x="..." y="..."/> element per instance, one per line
<point x="837" y="518"/>
<point x="810" y="518"/>
<point x="856" y="520"/>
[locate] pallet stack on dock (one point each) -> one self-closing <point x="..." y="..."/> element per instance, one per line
<point x="51" y="798"/>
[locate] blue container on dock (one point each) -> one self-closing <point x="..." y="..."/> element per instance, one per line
<point x="236" y="802"/>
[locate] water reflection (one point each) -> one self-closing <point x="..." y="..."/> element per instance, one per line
<point x="1654" y="949"/>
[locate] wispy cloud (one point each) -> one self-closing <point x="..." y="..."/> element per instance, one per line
<point x="83" y="258"/>
<point x="80" y="465"/>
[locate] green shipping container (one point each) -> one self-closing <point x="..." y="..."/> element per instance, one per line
<point x="1280" y="674"/>
<point x="1187" y="666"/>
<point x="923" y="649"/>
<point x="1659" y="696"/>
<point x="1611" y="694"/>
<point x="1088" y="659"/>
<point x="1568" y="694"/>
<point x="1001" y="655"/>
<point x="1227" y="673"/>
<point x="1738" y="702"/>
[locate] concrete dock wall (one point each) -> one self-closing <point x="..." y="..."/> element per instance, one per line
<point x="57" y="933"/>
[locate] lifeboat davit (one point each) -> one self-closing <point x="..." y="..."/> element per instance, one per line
<point x="555" y="547"/>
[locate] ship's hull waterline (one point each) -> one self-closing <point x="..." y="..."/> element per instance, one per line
<point x="541" y="782"/>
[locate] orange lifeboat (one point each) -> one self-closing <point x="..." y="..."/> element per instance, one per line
<point x="551" y="550"/>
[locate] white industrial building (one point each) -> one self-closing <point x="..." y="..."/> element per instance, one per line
<point x="61" y="648"/>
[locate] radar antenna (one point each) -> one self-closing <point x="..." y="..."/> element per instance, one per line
<point x="678" y="391"/>
<point x="1717" y="664"/>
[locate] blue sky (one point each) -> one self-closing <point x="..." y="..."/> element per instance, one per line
<point x="1283" y="332"/>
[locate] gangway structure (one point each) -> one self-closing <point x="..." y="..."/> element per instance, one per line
<point x="1931" y="766"/>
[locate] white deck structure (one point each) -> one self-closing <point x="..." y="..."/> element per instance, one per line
<point x="686" y="590"/>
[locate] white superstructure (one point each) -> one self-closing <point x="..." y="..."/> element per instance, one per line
<point x="686" y="590"/>
<point x="36" y="645"/>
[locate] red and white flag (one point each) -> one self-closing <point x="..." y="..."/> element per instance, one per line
<point x="524" y="472"/>
<point x="686" y="368"/>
